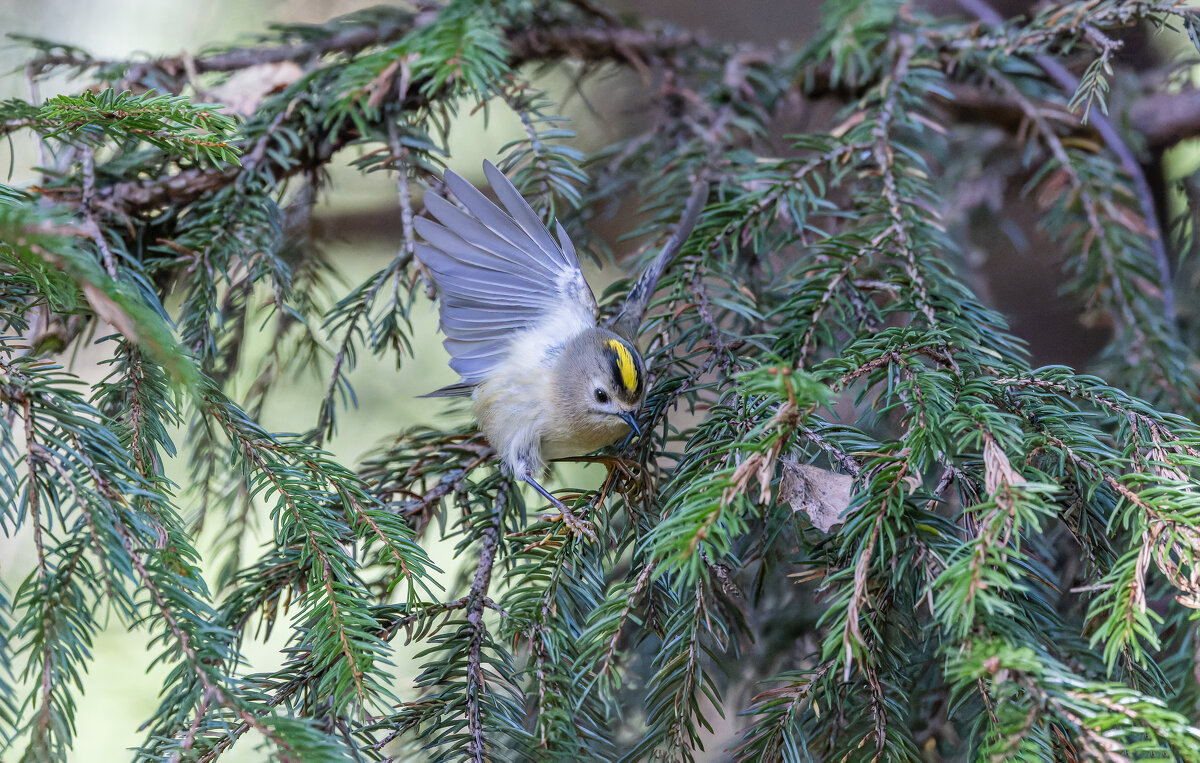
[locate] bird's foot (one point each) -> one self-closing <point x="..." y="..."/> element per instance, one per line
<point x="573" y="524"/>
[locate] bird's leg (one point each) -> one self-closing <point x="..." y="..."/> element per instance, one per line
<point x="574" y="524"/>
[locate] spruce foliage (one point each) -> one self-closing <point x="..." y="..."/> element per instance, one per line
<point x="1014" y="575"/>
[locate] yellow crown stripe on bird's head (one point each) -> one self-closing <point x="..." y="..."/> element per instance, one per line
<point x="626" y="365"/>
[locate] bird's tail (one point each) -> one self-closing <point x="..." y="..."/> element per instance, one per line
<point x="627" y="322"/>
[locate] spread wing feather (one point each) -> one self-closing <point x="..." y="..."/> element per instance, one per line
<point x="500" y="275"/>
<point x="478" y="235"/>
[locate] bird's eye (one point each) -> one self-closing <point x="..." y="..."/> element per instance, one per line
<point x="601" y="395"/>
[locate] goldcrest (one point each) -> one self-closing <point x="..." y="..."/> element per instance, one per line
<point x="521" y="328"/>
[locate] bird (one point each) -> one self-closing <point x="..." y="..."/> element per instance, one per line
<point x="523" y="331"/>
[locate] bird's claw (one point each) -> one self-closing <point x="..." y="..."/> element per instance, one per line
<point x="571" y="523"/>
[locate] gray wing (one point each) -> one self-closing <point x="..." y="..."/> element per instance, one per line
<point x="500" y="275"/>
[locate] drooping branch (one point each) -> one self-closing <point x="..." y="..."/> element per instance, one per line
<point x="1108" y="133"/>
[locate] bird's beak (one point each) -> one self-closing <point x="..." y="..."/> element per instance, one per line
<point x="632" y="422"/>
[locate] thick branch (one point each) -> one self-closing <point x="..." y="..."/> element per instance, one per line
<point x="1164" y="119"/>
<point x="1161" y="118"/>
<point x="590" y="44"/>
<point x="349" y="41"/>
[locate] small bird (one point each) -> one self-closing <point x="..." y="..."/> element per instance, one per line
<point x="521" y="326"/>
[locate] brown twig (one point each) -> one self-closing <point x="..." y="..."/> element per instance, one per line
<point x="630" y="318"/>
<point x="631" y="601"/>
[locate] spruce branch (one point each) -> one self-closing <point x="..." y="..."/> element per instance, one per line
<point x="897" y="233"/>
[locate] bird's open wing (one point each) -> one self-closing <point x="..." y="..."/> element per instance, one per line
<point x="500" y="275"/>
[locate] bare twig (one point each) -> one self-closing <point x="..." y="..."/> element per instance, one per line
<point x="843" y="459"/>
<point x="630" y="317"/>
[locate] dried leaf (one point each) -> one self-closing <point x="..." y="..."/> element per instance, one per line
<point x="997" y="469"/>
<point x="820" y="493"/>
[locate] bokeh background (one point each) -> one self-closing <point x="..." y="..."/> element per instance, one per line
<point x="360" y="227"/>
